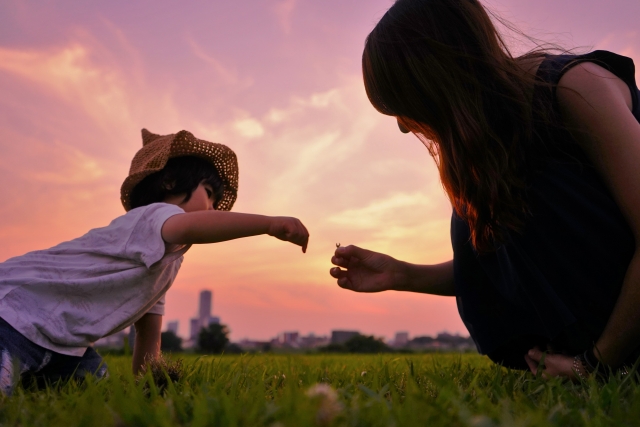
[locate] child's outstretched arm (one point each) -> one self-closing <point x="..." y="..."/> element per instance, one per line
<point x="218" y="226"/>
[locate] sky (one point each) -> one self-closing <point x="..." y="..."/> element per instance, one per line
<point x="279" y="81"/>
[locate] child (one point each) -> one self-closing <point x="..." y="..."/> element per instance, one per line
<point x="55" y="303"/>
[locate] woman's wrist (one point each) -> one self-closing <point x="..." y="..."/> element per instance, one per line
<point x="593" y="365"/>
<point x="401" y="272"/>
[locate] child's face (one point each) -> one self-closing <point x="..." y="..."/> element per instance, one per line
<point x="202" y="199"/>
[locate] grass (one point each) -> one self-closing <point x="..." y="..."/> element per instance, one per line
<point x="328" y="390"/>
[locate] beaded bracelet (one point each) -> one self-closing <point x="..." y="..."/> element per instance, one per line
<point x="580" y="365"/>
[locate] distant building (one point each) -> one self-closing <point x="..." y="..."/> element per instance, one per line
<point x="443" y="341"/>
<point x="204" y="318"/>
<point x="290" y="339"/>
<point x="132" y="336"/>
<point x="312" y="341"/>
<point x="341" y="337"/>
<point x="194" y="328"/>
<point x="173" y="327"/>
<point x="250" y="345"/>
<point x="112" y="341"/>
<point x="401" y="339"/>
<point x="204" y="308"/>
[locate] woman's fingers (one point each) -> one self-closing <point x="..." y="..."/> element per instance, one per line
<point x="351" y="251"/>
<point x="533" y="358"/>
<point x="535" y="354"/>
<point x="335" y="272"/>
<point x="341" y="275"/>
<point x="338" y="273"/>
<point x="339" y="261"/>
<point x="553" y="365"/>
<point x="533" y="365"/>
<point x="345" y="283"/>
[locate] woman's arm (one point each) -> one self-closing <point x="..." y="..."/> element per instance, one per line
<point x="368" y="271"/>
<point x="147" y="343"/>
<point x="218" y="226"/>
<point x="597" y="104"/>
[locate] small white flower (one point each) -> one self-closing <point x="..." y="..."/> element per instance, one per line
<point x="329" y="407"/>
<point x="322" y="390"/>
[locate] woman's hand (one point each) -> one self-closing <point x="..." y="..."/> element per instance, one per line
<point x="366" y="271"/>
<point x="555" y="365"/>
<point x="290" y="230"/>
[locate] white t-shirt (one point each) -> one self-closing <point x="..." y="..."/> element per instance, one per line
<point x="66" y="297"/>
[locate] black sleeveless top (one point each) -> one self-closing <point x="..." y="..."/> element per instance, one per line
<point x="558" y="281"/>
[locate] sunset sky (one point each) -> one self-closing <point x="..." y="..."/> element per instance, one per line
<point x="280" y="83"/>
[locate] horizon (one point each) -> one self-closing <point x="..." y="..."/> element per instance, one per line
<point x="278" y="81"/>
<point x="186" y="335"/>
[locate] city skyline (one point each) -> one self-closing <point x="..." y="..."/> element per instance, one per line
<point x="204" y="318"/>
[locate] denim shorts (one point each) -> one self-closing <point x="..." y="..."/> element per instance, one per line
<point x="23" y="361"/>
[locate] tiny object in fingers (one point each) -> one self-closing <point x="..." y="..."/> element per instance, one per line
<point x="337" y="245"/>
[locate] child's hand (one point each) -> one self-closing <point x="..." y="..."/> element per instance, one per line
<point x="290" y="230"/>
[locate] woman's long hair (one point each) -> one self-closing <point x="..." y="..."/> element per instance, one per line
<point x="442" y="68"/>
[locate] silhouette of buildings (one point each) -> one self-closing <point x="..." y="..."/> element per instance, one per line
<point x="113" y="341"/>
<point x="401" y="339"/>
<point x="131" y="336"/>
<point x="443" y="341"/>
<point x="173" y="327"/>
<point x="292" y="340"/>
<point x="341" y="337"/>
<point x="289" y="338"/>
<point x="204" y="317"/>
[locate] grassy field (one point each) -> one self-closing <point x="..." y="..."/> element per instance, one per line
<point x="328" y="390"/>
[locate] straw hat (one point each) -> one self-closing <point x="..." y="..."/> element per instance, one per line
<point x="158" y="149"/>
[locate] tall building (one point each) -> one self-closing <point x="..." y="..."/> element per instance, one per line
<point x="194" y="328"/>
<point x="204" y="310"/>
<point x="132" y="336"/>
<point x="204" y="317"/>
<point x="401" y="340"/>
<point x="173" y="327"/>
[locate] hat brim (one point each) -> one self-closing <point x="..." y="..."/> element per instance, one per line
<point x="153" y="158"/>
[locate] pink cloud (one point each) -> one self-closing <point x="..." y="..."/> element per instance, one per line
<point x="284" y="10"/>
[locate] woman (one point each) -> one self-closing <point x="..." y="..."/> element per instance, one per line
<point x="538" y="155"/>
